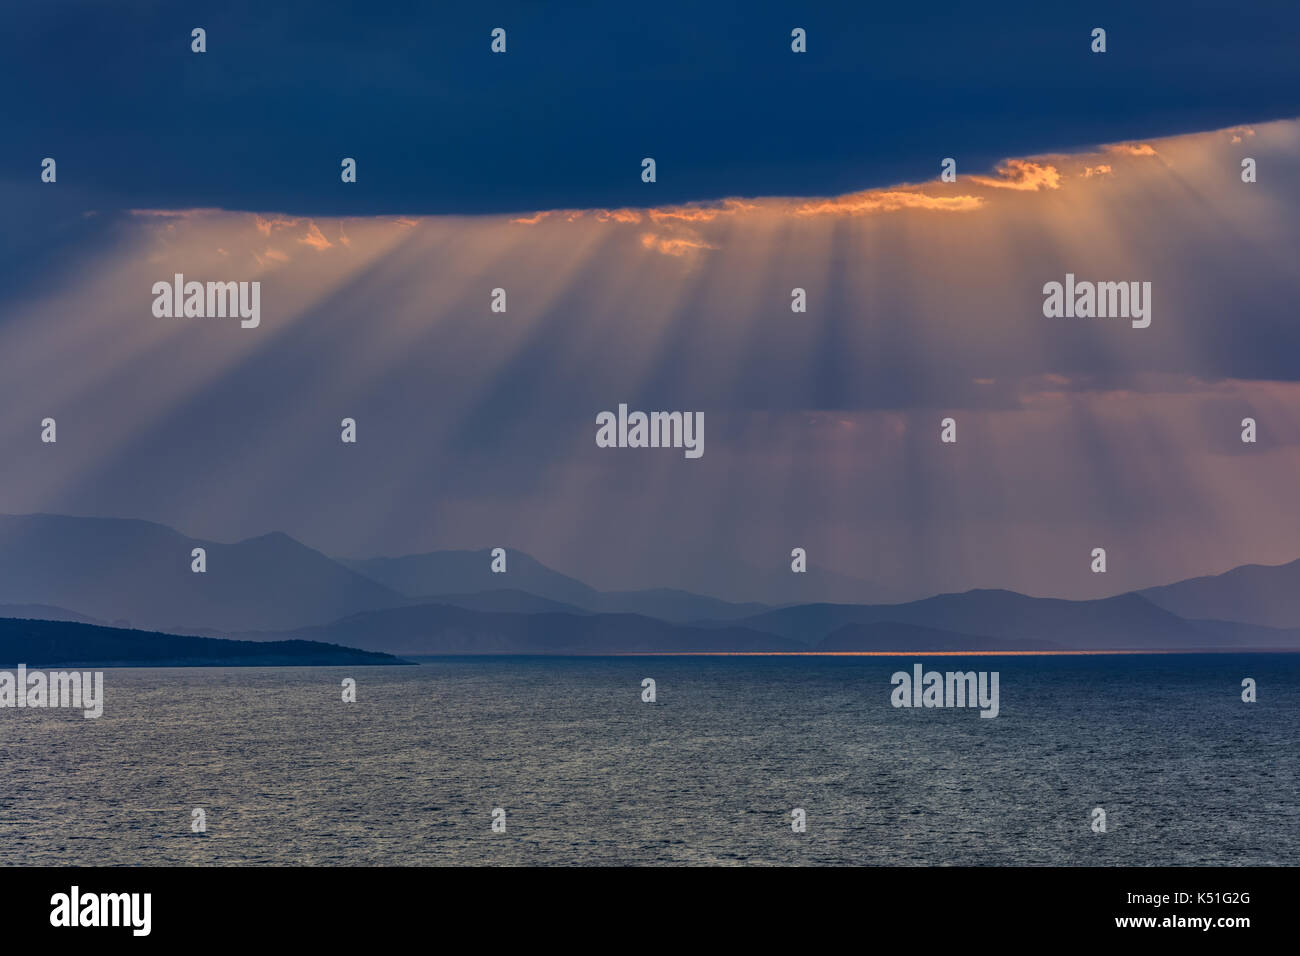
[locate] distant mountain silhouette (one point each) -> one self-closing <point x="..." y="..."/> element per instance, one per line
<point x="504" y="600"/>
<point x="1268" y="595"/>
<point x="1234" y="633"/>
<point x="451" y="577"/>
<point x="673" y="604"/>
<point x="118" y="569"/>
<point x="129" y="573"/>
<point x="741" y="581"/>
<point x="135" y="573"/>
<point x="1128" y="621"/>
<point x="45" y="612"/>
<point x="443" y="629"/>
<point x="68" y="644"/>
<point x="679" y="607"/>
<point x="469" y="572"/>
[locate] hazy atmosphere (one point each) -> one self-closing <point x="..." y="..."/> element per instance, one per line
<point x="476" y="429"/>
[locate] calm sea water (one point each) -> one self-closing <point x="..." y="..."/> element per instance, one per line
<point x="588" y="774"/>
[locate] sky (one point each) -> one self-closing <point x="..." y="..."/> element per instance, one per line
<point x="585" y="91"/>
<point x="775" y="170"/>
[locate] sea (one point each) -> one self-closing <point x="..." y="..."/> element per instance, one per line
<point x="576" y="768"/>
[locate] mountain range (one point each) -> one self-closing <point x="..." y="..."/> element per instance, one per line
<point x="1267" y="595"/>
<point x="137" y="574"/>
<point x="69" y="644"/>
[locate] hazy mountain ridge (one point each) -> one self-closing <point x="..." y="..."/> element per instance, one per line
<point x="1125" y="621"/>
<point x="138" y="572"/>
<point x="47" y="612"/>
<point x="455" y="577"/>
<point x="130" y="573"/>
<point x="468" y="572"/>
<point x="445" y="629"/>
<point x="1263" y="594"/>
<point x="66" y="644"/>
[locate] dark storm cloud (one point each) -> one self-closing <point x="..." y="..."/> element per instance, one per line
<point x="822" y="427"/>
<point x="438" y="124"/>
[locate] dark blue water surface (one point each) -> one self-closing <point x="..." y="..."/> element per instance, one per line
<point x="587" y="773"/>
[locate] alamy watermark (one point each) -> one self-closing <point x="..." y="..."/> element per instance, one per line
<point x="213" y="300"/>
<point x="76" y="689"/>
<point x="953" y="689"/>
<point x="1102" y="300"/>
<point x="653" y="430"/>
<point x="75" y="908"/>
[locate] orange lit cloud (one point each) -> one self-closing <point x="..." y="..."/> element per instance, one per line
<point x="315" y="238"/>
<point x="1132" y="149"/>
<point x="618" y="215"/>
<point x="1022" y="174"/>
<point x="675" y="245"/>
<point x="885" y="200"/>
<point x="680" y="230"/>
<point x="265" y="225"/>
<point x="685" y="214"/>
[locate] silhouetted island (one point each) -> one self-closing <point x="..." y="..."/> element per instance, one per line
<point x="72" y="644"/>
